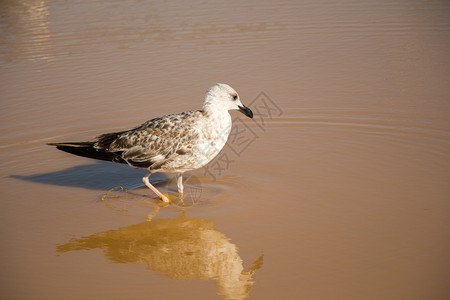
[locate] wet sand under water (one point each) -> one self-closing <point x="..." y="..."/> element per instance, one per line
<point x="338" y="188"/>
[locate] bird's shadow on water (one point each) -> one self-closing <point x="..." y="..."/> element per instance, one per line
<point x="95" y="176"/>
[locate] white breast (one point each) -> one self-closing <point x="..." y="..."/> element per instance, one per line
<point x="215" y="130"/>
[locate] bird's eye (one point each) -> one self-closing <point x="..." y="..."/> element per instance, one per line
<point x="235" y="97"/>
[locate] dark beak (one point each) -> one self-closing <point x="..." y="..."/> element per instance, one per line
<point x="246" y="111"/>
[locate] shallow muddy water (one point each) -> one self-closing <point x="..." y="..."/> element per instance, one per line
<point x="337" y="189"/>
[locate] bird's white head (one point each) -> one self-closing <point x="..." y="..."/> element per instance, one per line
<point x="222" y="97"/>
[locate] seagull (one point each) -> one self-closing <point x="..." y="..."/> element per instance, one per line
<point x="174" y="143"/>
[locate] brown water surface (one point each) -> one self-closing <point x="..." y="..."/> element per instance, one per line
<point x="337" y="189"/>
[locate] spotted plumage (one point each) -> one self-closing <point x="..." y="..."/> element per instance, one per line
<point x="173" y="143"/>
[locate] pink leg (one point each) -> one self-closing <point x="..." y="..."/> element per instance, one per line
<point x="180" y="183"/>
<point x="147" y="183"/>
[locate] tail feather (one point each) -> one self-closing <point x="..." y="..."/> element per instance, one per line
<point x="87" y="149"/>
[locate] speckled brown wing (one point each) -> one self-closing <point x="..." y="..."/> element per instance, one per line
<point x="154" y="143"/>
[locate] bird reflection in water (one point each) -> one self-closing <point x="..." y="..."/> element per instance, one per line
<point x="181" y="248"/>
